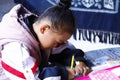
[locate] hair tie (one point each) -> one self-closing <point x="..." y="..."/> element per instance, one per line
<point x="65" y="3"/>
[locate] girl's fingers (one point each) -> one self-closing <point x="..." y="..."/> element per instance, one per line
<point x="86" y="70"/>
<point x="82" y="70"/>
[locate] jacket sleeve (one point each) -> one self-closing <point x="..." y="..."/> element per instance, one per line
<point x="19" y="65"/>
<point x="64" y="58"/>
<point x="17" y="62"/>
<point x="62" y="55"/>
<point x="54" y="73"/>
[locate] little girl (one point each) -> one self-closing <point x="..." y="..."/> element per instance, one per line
<point x="27" y="42"/>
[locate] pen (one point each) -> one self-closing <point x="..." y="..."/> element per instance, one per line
<point x="72" y="61"/>
<point x="72" y="65"/>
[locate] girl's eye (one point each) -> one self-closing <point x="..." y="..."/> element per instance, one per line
<point x="59" y="44"/>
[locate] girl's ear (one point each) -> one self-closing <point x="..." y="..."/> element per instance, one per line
<point x="44" y="28"/>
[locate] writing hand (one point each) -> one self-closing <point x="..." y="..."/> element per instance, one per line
<point x="82" y="69"/>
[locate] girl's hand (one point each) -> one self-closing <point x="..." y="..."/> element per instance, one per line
<point x="82" y="69"/>
<point x="71" y="73"/>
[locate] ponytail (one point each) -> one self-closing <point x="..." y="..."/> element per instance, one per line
<point x="64" y="4"/>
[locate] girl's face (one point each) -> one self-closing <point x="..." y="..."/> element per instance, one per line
<point x="50" y="39"/>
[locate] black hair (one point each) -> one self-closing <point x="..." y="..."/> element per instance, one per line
<point x="61" y="17"/>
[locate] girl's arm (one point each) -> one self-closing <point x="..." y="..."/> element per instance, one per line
<point x="19" y="65"/>
<point x="17" y="62"/>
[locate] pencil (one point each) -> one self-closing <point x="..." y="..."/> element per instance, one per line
<point x="72" y="61"/>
